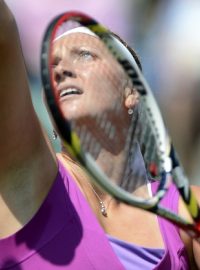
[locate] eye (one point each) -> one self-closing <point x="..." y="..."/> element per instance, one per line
<point x="86" y="55"/>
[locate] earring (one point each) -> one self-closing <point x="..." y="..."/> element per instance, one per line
<point x="130" y="111"/>
<point x="54" y="135"/>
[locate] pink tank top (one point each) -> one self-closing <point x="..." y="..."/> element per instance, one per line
<point x="65" y="234"/>
<point x="173" y="256"/>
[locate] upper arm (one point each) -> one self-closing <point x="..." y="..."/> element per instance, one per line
<point x="20" y="132"/>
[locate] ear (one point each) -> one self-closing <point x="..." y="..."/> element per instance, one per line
<point x="131" y="97"/>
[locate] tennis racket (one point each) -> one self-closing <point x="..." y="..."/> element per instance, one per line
<point x="108" y="119"/>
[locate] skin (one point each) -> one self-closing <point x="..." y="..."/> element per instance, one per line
<point x="25" y="176"/>
<point x="28" y="165"/>
<point x="84" y="57"/>
<point x="82" y="61"/>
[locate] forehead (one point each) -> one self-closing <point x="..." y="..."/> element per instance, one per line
<point x="78" y="40"/>
<point x="74" y="42"/>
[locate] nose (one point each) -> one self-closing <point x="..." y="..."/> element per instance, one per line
<point x="61" y="73"/>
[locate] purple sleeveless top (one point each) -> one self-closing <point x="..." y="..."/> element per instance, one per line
<point x="172" y="257"/>
<point x="130" y="254"/>
<point x="65" y="234"/>
<point x="175" y="257"/>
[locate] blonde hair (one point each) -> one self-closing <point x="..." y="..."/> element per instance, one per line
<point x="75" y="169"/>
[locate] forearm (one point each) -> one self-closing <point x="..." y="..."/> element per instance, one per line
<point x="20" y="130"/>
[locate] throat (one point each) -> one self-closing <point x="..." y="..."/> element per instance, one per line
<point x="134" y="226"/>
<point x="112" y="166"/>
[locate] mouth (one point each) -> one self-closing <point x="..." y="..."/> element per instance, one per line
<point x="68" y="91"/>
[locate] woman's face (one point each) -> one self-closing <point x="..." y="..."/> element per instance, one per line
<point x="87" y="78"/>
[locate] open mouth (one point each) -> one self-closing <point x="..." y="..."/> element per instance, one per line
<point x="70" y="91"/>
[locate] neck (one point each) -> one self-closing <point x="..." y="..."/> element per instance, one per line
<point x="112" y="165"/>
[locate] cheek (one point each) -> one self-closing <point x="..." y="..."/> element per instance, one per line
<point x="104" y="79"/>
<point x="114" y="75"/>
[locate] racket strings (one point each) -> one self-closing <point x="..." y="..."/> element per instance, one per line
<point x="144" y="144"/>
<point x="113" y="131"/>
<point x="148" y="134"/>
<point x="148" y="140"/>
<point x="92" y="143"/>
<point x="66" y="26"/>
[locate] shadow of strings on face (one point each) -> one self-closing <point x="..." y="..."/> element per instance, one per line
<point x="102" y="133"/>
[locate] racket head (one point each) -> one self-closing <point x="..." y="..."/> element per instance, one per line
<point x="108" y="125"/>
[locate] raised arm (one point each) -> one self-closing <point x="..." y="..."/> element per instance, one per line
<point x="27" y="162"/>
<point x="20" y="132"/>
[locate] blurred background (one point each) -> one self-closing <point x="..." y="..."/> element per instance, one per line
<point x="166" y="36"/>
